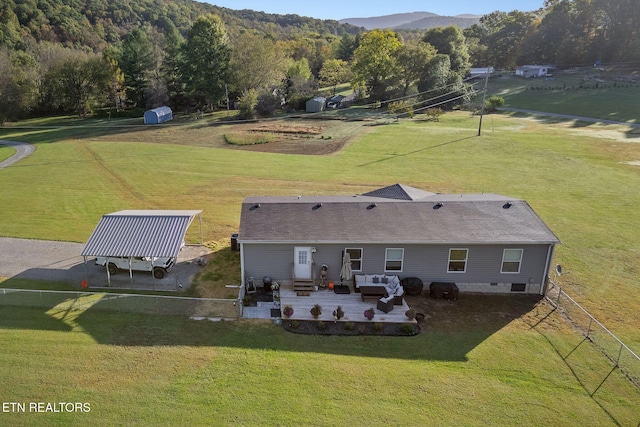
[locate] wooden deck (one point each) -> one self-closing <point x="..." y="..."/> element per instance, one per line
<point x="352" y="306"/>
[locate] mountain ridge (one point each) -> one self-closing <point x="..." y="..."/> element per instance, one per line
<point x="413" y="21"/>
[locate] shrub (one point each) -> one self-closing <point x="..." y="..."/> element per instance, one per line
<point x="287" y="311"/>
<point x="434" y="114"/>
<point x="401" y="108"/>
<point x="493" y="103"/>
<point x="294" y="324"/>
<point x="378" y="326"/>
<point x="267" y="104"/>
<point x="349" y="326"/>
<point x="338" y="313"/>
<point x="246" y="104"/>
<point x="321" y="325"/>
<point x="316" y="311"/>
<point x="407" y="329"/>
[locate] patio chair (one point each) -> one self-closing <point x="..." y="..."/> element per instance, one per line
<point x="385" y="304"/>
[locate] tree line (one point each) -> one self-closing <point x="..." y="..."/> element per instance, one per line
<point x="87" y="56"/>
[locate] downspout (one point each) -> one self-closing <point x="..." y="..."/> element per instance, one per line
<point x="547" y="268"/>
<point x="242" y="283"/>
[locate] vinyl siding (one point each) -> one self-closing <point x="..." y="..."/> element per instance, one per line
<point x="428" y="262"/>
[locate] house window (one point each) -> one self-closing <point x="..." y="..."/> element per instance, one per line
<point x="356" y="258"/>
<point x="458" y="260"/>
<point x="511" y="260"/>
<point x="393" y="259"/>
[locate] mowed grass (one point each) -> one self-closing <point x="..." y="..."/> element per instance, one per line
<point x="170" y="371"/>
<point x="163" y="370"/>
<point x="587" y="93"/>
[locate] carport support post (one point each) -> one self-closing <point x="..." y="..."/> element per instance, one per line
<point x="106" y="265"/>
<point x="86" y="270"/>
<point x="130" y="273"/>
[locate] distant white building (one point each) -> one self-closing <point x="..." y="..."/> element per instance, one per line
<point x="534" y="70"/>
<point x="316" y="105"/>
<point x="481" y="72"/>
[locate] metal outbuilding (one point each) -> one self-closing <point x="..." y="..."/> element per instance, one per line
<point x="158" y="115"/>
<point x="141" y="233"/>
<point x="316" y="105"/>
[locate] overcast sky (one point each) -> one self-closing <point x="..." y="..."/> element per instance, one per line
<point x="341" y="9"/>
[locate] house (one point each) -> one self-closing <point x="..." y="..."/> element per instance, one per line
<point x="316" y="104"/>
<point x="158" y="115"/>
<point x="481" y="72"/>
<point x="534" y="70"/>
<point x="482" y="242"/>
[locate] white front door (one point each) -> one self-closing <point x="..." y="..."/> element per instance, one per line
<point x="302" y="262"/>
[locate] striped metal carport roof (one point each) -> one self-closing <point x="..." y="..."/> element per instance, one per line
<point x="140" y="233"/>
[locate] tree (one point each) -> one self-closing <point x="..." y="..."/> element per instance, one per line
<point x="205" y="61"/>
<point x="137" y="63"/>
<point x="77" y="81"/>
<point x="413" y="62"/>
<point x="450" y="41"/>
<point x="256" y="63"/>
<point x="18" y="84"/>
<point x="298" y="84"/>
<point x="375" y="62"/>
<point x="334" y="72"/>
<point x="504" y="35"/>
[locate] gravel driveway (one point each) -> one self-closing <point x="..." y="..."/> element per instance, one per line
<point x="23" y="150"/>
<point x="61" y="262"/>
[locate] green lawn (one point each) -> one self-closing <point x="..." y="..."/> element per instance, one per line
<point x="167" y="371"/>
<point x="6" y="152"/>
<point x="587" y="93"/>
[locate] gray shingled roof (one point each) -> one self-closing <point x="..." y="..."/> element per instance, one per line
<point x="150" y="233"/>
<point x="399" y="192"/>
<point x="471" y="219"/>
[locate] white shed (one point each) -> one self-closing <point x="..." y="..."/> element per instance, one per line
<point x="158" y="115"/>
<point x="316" y="105"/>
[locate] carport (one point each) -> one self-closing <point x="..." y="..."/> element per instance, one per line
<point x="140" y="233"/>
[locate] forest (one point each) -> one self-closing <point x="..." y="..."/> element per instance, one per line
<point x="120" y="57"/>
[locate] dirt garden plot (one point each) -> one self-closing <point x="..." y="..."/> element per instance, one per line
<point x="289" y="136"/>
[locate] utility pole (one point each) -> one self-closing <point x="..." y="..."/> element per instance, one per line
<point x="484" y="96"/>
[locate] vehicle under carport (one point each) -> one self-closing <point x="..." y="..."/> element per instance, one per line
<point x="124" y="238"/>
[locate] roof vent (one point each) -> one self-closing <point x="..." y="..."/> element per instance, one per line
<point x="372" y="205"/>
<point x="437" y="205"/>
<point x="254" y="207"/>
<point x="507" y="205"/>
<point x="317" y="206"/>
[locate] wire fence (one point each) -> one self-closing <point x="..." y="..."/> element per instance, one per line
<point x="618" y="353"/>
<point x="123" y="303"/>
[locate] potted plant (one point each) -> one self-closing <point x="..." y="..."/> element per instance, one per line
<point x="338" y="314"/>
<point x="316" y="311"/>
<point x="369" y="313"/>
<point x="287" y="311"/>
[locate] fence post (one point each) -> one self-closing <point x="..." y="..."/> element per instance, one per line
<point x="619" y="355"/>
